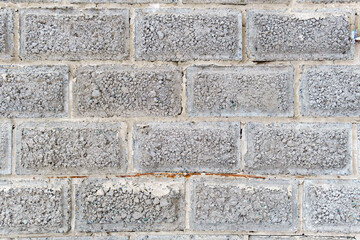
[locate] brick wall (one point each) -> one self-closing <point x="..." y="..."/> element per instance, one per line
<point x="179" y="120"/>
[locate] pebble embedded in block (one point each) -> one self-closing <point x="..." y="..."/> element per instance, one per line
<point x="274" y="35"/>
<point x="188" y="34"/>
<point x="70" y="34"/>
<point x="70" y="148"/>
<point x="240" y="91"/>
<point x="130" y="91"/>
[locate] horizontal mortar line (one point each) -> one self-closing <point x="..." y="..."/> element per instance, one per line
<point x="178" y="63"/>
<point x="180" y="118"/>
<point x="181" y="175"/>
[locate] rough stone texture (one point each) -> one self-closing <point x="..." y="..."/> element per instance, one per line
<point x="331" y="206"/>
<point x="189" y="237"/>
<point x="243" y="205"/>
<point x="70" y="148"/>
<point x="330" y="91"/>
<point x="31" y="1"/>
<point x="129" y="204"/>
<point x="5" y="147"/>
<point x="34" y="206"/>
<point x="123" y="1"/>
<point x="188" y="34"/>
<point x="298" y="36"/>
<point x="33" y="91"/>
<point x="6" y="33"/>
<point x="240" y="91"/>
<point x="327" y="1"/>
<point x="299" y="238"/>
<point x="298" y="148"/>
<point x="235" y="1"/>
<point x="69" y="34"/>
<point x="187" y="147"/>
<point x="78" y="238"/>
<point x="116" y="90"/>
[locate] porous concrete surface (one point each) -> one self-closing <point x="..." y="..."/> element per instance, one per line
<point x="34" y="206"/>
<point x="243" y="205"/>
<point x="331" y="205"/>
<point x="330" y="91"/>
<point x="189" y="237"/>
<point x="124" y="1"/>
<point x="117" y="90"/>
<point x="301" y="148"/>
<point x="299" y="238"/>
<point x="78" y="238"/>
<point x="70" y="148"/>
<point x="240" y="91"/>
<point x="188" y="34"/>
<point x="235" y="1"/>
<point x="70" y="34"/>
<point x="328" y="1"/>
<point x="129" y="204"/>
<point x="5" y="147"/>
<point x="6" y="33"/>
<point x="275" y="35"/>
<point x="33" y="91"/>
<point x="187" y="147"/>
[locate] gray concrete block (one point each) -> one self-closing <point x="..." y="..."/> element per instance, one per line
<point x="34" y="206"/>
<point x="33" y="91"/>
<point x="30" y="1"/>
<point x="236" y="204"/>
<point x="117" y="90"/>
<point x="189" y="237"/>
<point x="298" y="148"/>
<point x="331" y="206"/>
<point x="78" y="238"/>
<point x="69" y="34"/>
<point x="187" y="147"/>
<point x="188" y="34"/>
<point x="240" y="91"/>
<point x="6" y="33"/>
<point x="299" y="238"/>
<point x="328" y="1"/>
<point x="63" y="148"/>
<point x="235" y="1"/>
<point x="275" y="35"/>
<point x="129" y="204"/>
<point x="5" y="147"/>
<point x="330" y="91"/>
<point x="217" y="237"/>
<point x="123" y="1"/>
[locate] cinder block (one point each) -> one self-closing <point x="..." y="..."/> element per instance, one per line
<point x="235" y="204"/>
<point x="331" y="206"/>
<point x="123" y="1"/>
<point x="78" y="238"/>
<point x="5" y="147"/>
<point x="34" y="206"/>
<point x="117" y="90"/>
<point x="70" y="148"/>
<point x="236" y="1"/>
<point x="240" y="91"/>
<point x="275" y="35"/>
<point x="298" y="148"/>
<point x="328" y="1"/>
<point x="70" y="34"/>
<point x="299" y="238"/>
<point x="6" y="33"/>
<point x="129" y="204"/>
<point x="330" y="91"/>
<point x="189" y="237"/>
<point x="187" y="147"/>
<point x="33" y="91"/>
<point x="188" y="34"/>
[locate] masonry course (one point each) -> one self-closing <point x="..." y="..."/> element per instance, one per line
<point x="240" y="91"/>
<point x="62" y="148"/>
<point x="130" y="91"/>
<point x="300" y="148"/>
<point x="187" y="34"/>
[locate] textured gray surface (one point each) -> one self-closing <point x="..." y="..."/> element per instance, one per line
<point x="275" y="35"/>
<point x="129" y="204"/>
<point x="123" y="1"/>
<point x="6" y="33"/>
<point x="243" y="205"/>
<point x="78" y="238"/>
<point x="70" y="148"/>
<point x="69" y="34"/>
<point x="33" y="91"/>
<point x="188" y="34"/>
<point x="328" y="1"/>
<point x="331" y="205"/>
<point x="299" y="238"/>
<point x="235" y="1"/>
<point x="34" y="206"/>
<point x="187" y="147"/>
<point x="189" y="237"/>
<point x="300" y="148"/>
<point x="240" y="91"/>
<point x="5" y="147"/>
<point x="116" y="90"/>
<point x="330" y="91"/>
